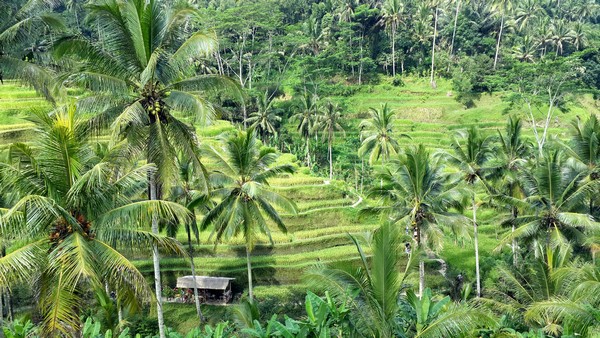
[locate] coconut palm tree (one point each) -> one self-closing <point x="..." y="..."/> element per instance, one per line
<point x="553" y="210"/>
<point x="543" y="34"/>
<point x="391" y="17"/>
<point x="316" y="33"/>
<point x="525" y="49"/>
<point x="471" y="151"/>
<point x="329" y="122"/>
<point x="525" y="12"/>
<point x="506" y="165"/>
<point x="372" y="288"/>
<point x="435" y="4"/>
<point x="516" y="290"/>
<point x="576" y="308"/>
<point x="376" y="134"/>
<point x="502" y="8"/>
<point x="456" y="13"/>
<point x="265" y="119"/>
<point x="32" y="29"/>
<point x="345" y="10"/>
<point x="72" y="210"/>
<point x="584" y="147"/>
<point x="372" y="292"/>
<point x="579" y="35"/>
<point x="141" y="82"/>
<point x="416" y="194"/>
<point x="241" y="183"/>
<point x="306" y="117"/>
<point x="185" y="194"/>
<point x="430" y="317"/>
<point x="561" y="34"/>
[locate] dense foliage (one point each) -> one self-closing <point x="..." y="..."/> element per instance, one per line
<point x="116" y="168"/>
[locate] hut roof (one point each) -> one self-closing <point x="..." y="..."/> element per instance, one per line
<point x="204" y="282"/>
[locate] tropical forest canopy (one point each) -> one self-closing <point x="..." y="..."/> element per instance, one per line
<point x="385" y="168"/>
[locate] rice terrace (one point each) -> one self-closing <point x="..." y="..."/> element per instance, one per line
<point x="299" y="168"/>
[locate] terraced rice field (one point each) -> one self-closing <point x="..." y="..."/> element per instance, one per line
<point x="432" y="116"/>
<point x="327" y="210"/>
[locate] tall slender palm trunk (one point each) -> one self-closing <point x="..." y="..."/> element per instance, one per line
<point x="119" y="312"/>
<point x="514" y="241"/>
<point x="476" y="240"/>
<point x="454" y="29"/>
<point x="394" y="50"/>
<point x="308" y="151"/>
<point x="9" y="308"/>
<point x="191" y="249"/>
<point x="249" y="265"/>
<point x="421" y="263"/>
<point x="330" y="155"/>
<point x="421" y="277"/>
<point x="1" y="309"/>
<point x="156" y="263"/>
<point x="498" y="42"/>
<point x="433" y="46"/>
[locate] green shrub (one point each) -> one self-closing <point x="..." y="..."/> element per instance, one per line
<point x="397" y="81"/>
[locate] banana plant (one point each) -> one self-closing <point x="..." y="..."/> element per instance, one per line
<point x="19" y="329"/>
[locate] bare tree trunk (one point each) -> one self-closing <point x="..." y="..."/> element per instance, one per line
<point x="476" y="239"/>
<point x="156" y="262"/>
<point x="217" y="56"/>
<point x="498" y="42"/>
<point x="433" y="47"/>
<point x="250" y="294"/>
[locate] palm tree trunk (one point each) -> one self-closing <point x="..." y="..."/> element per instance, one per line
<point x="421" y="263"/>
<point x="191" y="248"/>
<point x="499" y="38"/>
<point x="198" y="309"/>
<point x="308" y="151"/>
<point x="330" y="156"/>
<point x="119" y="312"/>
<point x="1" y="310"/>
<point x="394" y="50"/>
<point x="476" y="239"/>
<point x="249" y="265"/>
<point x="433" y="46"/>
<point x="514" y="241"/>
<point x="360" y="67"/>
<point x="156" y="262"/>
<point x="9" y="307"/>
<point x="362" y="174"/>
<point x="245" y="115"/>
<point x="454" y="31"/>
<point x="421" y="277"/>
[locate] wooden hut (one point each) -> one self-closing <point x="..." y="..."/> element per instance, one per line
<point x="215" y="290"/>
